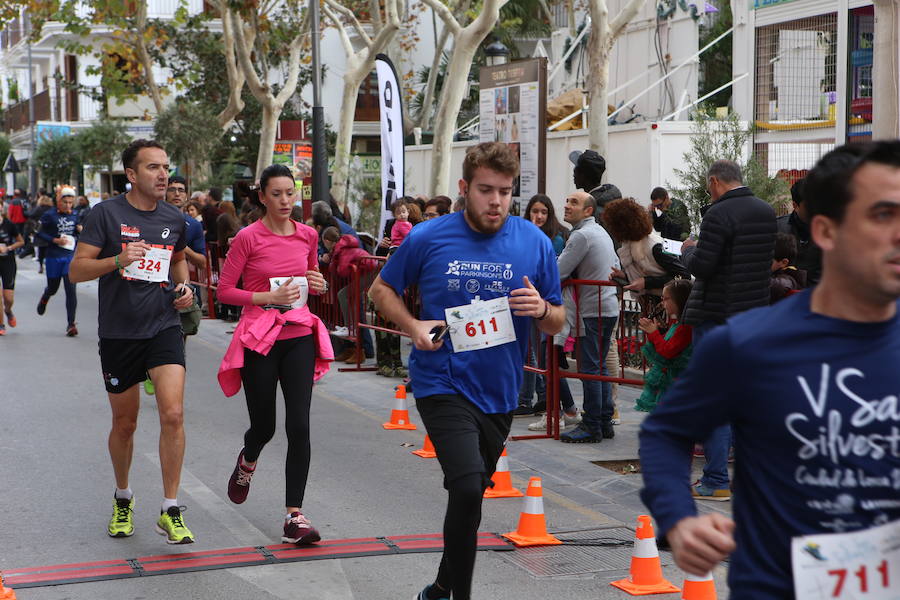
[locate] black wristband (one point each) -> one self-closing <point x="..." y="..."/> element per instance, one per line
<point x="546" y="311"/>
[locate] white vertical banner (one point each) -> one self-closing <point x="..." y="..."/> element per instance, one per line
<point x="389" y="101"/>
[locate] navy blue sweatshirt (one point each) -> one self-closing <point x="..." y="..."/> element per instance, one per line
<point x="813" y="405"/>
<point x="54" y="224"/>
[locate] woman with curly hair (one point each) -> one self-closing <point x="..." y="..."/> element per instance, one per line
<point x="645" y="265"/>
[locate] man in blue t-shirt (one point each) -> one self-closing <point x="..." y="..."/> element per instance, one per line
<point x="60" y="229"/>
<point x="486" y="277"/>
<point x="810" y="388"/>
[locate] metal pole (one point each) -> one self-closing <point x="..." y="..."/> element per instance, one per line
<point x="320" y="152"/>
<point x="32" y="171"/>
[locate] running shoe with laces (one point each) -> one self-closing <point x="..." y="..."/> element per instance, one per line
<point x="71" y="330"/>
<point x="426" y="594"/>
<point x="2" y="329"/>
<point x="149" y="388"/>
<point x="298" y="530"/>
<point x="42" y="305"/>
<point x="11" y="319"/>
<point x="239" y="483"/>
<point x="122" y="522"/>
<point x="171" y="524"/>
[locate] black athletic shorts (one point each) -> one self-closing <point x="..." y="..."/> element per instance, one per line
<point x="465" y="439"/>
<point x="8" y="272"/>
<point x="126" y="362"/>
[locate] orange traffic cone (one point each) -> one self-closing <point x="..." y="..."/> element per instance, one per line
<point x="532" y="529"/>
<point x="698" y="588"/>
<point x="427" y="450"/>
<point x="5" y="592"/>
<point x="503" y="487"/>
<point x="399" y="416"/>
<point x="646" y="571"/>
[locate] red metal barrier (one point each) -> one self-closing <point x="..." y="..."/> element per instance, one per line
<point x="207" y="277"/>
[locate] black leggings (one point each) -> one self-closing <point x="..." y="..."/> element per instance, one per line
<point x="71" y="299"/>
<point x="460" y="534"/>
<point x="292" y="363"/>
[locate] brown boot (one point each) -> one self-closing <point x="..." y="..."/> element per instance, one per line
<point x="345" y="354"/>
<point x="355" y="358"/>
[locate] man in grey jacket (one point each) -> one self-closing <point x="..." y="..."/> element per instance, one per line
<point x="589" y="254"/>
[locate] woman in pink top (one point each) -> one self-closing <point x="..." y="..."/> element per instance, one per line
<point x="402" y="226"/>
<point x="277" y="339"/>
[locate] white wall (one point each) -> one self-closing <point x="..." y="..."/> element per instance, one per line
<point x="634" y="57"/>
<point x="642" y="158"/>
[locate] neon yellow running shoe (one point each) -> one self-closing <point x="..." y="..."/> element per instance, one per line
<point x="171" y="524"/>
<point x="148" y="387"/>
<point x="122" y="522"/>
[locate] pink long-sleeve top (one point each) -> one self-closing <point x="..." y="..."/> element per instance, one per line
<point x="256" y="255"/>
<point x="399" y="232"/>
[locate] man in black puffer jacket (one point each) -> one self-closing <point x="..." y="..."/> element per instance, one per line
<point x="732" y="263"/>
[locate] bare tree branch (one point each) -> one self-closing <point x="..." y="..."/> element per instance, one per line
<point x="256" y="86"/>
<point x="341" y="29"/>
<point x="628" y="12"/>
<point x="144" y="56"/>
<point x="360" y="30"/>
<point x="446" y="16"/>
<point x="236" y="77"/>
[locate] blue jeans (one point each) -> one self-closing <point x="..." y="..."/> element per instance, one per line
<point x="592" y="349"/>
<point x="717" y="445"/>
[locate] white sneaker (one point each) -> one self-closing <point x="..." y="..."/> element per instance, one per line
<point x="541" y="424"/>
<point x="571" y="420"/>
<point x="340" y="332"/>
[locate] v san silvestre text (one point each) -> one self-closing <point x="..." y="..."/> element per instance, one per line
<point x="826" y="433"/>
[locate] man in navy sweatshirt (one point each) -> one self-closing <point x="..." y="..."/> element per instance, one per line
<point x="810" y="387"/>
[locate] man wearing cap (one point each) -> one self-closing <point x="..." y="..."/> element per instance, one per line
<point x="60" y="229"/>
<point x="588" y="171"/>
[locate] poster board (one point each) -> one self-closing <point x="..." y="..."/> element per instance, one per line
<point x="512" y="109"/>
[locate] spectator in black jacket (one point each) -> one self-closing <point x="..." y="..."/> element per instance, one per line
<point x="732" y="263"/>
<point x="809" y="256"/>
<point x="669" y="215"/>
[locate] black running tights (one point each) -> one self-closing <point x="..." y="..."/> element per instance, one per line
<point x="290" y="362"/>
<point x="71" y="299"/>
<point x="460" y="532"/>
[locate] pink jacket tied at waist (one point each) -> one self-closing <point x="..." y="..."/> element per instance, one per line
<point x="258" y="330"/>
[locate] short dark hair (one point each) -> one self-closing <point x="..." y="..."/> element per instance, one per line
<point x="828" y="188"/>
<point x="659" y="192"/>
<point x="396" y="204"/>
<point x="797" y="191"/>
<point x="215" y="194"/>
<point x="441" y="202"/>
<point x="785" y="247"/>
<point x="178" y="179"/>
<point x="495" y="156"/>
<point x="726" y="170"/>
<point x="129" y="154"/>
<point x="332" y="234"/>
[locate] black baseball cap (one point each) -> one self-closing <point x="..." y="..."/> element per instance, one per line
<point x="588" y="159"/>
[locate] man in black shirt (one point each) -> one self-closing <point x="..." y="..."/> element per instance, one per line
<point x="134" y="243"/>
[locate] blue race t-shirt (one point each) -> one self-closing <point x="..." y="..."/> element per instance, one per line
<point x="194" y="234"/>
<point x="813" y="405"/>
<point x="453" y="265"/>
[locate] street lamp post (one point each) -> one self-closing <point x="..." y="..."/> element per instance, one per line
<point x="320" y="155"/>
<point x="32" y="170"/>
<point x="496" y="53"/>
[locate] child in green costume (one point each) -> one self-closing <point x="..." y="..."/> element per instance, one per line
<point x="666" y="353"/>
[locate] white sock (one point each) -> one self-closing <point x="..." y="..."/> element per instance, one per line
<point x="169" y="503"/>
<point x="125" y="494"/>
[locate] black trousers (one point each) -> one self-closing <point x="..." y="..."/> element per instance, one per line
<point x="290" y="362"/>
<point x="468" y="443"/>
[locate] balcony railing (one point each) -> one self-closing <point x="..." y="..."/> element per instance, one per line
<point x="16" y="116"/>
